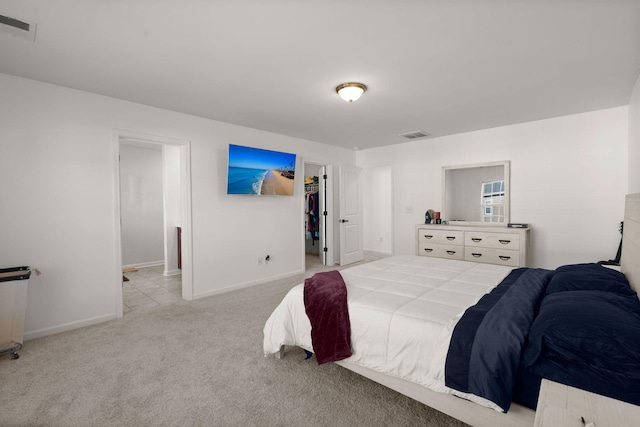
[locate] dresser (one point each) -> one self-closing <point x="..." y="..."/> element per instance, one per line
<point x="560" y="405"/>
<point x="487" y="244"/>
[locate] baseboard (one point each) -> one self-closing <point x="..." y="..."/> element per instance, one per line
<point x="68" y="326"/>
<point x="377" y="253"/>
<point x="144" y="264"/>
<point x="172" y="272"/>
<point x="245" y="285"/>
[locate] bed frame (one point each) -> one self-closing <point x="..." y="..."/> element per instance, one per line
<point x="518" y="416"/>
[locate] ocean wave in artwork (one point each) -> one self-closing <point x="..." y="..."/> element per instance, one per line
<point x="245" y="180"/>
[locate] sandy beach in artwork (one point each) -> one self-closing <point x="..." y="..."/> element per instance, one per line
<point x="276" y="184"/>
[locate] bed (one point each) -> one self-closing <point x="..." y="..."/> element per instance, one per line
<point x="408" y="320"/>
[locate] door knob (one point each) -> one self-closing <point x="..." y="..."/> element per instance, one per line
<point x="344" y="220"/>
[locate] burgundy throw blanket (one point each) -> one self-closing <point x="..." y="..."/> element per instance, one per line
<point x="325" y="301"/>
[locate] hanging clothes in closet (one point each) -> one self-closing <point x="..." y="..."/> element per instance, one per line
<point x="312" y="212"/>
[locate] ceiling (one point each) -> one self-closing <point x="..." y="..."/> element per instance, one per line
<point x="444" y="67"/>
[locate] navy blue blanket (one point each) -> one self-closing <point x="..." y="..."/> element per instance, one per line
<point x="486" y="345"/>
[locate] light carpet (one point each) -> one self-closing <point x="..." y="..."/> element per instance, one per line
<point x="197" y="363"/>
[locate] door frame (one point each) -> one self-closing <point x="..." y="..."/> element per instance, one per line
<point x="185" y="210"/>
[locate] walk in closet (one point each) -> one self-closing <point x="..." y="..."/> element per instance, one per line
<point x="314" y="205"/>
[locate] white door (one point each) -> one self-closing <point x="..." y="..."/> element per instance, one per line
<point x="350" y="215"/>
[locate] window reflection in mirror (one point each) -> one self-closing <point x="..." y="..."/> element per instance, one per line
<point x="477" y="193"/>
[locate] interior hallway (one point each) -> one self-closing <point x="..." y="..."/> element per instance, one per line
<point x="147" y="287"/>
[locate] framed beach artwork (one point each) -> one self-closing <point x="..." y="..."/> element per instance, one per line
<point x="260" y="172"/>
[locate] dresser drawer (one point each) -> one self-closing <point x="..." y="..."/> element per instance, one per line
<point x="447" y="237"/>
<point x="441" y="251"/>
<point x="492" y="256"/>
<point x="492" y="240"/>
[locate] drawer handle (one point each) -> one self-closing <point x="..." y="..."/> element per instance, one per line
<point x="451" y="252"/>
<point x="504" y="242"/>
<point x="451" y="237"/>
<point x="427" y="250"/>
<point x="476" y="255"/>
<point x="427" y="236"/>
<point x="504" y="258"/>
<point x="476" y="239"/>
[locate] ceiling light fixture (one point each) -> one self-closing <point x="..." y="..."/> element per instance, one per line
<point x="351" y="91"/>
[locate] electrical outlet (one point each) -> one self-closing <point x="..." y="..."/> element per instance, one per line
<point x="260" y="261"/>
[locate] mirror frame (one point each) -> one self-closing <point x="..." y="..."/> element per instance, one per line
<point x="506" y="164"/>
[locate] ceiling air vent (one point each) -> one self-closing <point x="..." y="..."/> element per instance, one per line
<point x="17" y="28"/>
<point x="415" y="134"/>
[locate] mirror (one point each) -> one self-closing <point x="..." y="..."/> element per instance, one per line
<point x="476" y="193"/>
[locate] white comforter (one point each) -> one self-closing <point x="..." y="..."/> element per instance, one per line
<point x="402" y="309"/>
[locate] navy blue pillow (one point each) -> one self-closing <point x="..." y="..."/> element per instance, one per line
<point x="592" y="328"/>
<point x="588" y="277"/>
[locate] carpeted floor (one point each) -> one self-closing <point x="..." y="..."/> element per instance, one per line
<point x="196" y="363"/>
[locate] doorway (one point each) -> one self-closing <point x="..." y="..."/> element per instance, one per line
<point x="158" y="252"/>
<point x="317" y="216"/>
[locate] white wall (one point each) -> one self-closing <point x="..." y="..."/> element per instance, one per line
<point x="634" y="139"/>
<point x="141" y="206"/>
<point x="172" y="203"/>
<point x="568" y="181"/>
<point x="377" y="208"/>
<point x="58" y="213"/>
